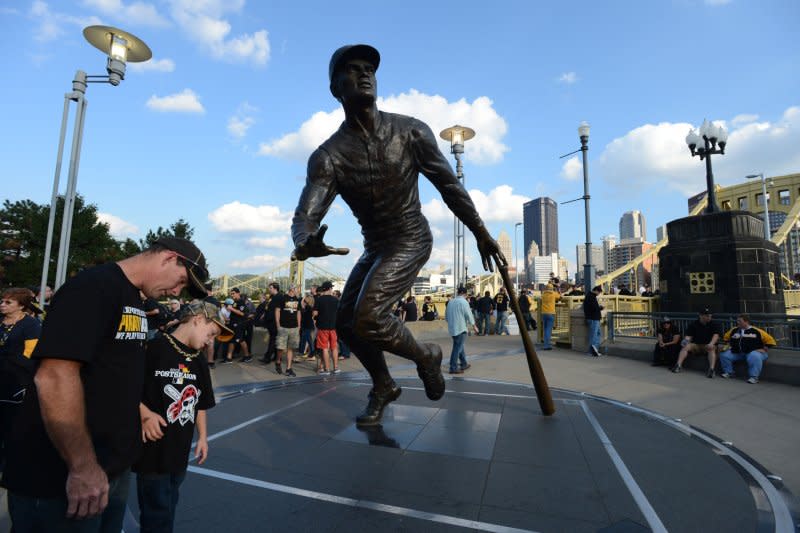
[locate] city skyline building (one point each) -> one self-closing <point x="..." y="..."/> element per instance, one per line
<point x="541" y="268"/>
<point x="632" y="225"/>
<point x="504" y="242"/>
<point x="540" y="224"/>
<point x="625" y="252"/>
<point x="598" y="260"/>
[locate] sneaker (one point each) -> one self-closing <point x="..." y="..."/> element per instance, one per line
<point x="710" y="373"/>
<point x="752" y="380"/>
<point x="726" y="375"/>
<point x="676" y="369"/>
<point x="429" y="370"/>
<point x="377" y="402"/>
<point x="466" y="367"/>
<point x="264" y="361"/>
<point x="321" y="373"/>
<point x="594" y="351"/>
<point x="337" y="370"/>
<point x="290" y="373"/>
<point x="226" y="361"/>
<point x="212" y="365"/>
<point x="459" y="371"/>
<point x="247" y="359"/>
<point x="278" y="368"/>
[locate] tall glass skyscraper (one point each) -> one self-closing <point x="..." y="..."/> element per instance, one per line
<point x="632" y="226"/>
<point x="540" y="220"/>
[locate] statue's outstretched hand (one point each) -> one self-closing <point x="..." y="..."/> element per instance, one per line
<point x="315" y="247"/>
<point x="490" y="251"/>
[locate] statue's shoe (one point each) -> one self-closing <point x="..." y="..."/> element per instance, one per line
<point x="429" y="370"/>
<point x="378" y="400"/>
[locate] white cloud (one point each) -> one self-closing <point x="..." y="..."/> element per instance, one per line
<point x="153" y="65"/>
<point x="486" y="148"/>
<point x="51" y="22"/>
<point x="500" y="205"/>
<point x="259" y="261"/>
<point x="745" y="118"/>
<point x="238" y="217"/>
<point x="119" y="229"/>
<point x="568" y="78"/>
<point x="572" y="169"/>
<point x="268" y="242"/>
<point x="658" y="154"/>
<point x="137" y="13"/>
<point x="238" y="127"/>
<point x="203" y="22"/>
<point x="185" y="101"/>
<point x="242" y="120"/>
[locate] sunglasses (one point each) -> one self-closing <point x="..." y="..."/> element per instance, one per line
<point x="201" y="269"/>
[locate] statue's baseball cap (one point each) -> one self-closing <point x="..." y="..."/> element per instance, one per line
<point x="193" y="259"/>
<point x="352" y="51"/>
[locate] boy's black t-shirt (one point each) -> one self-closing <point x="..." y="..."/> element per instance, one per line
<point x="501" y="302"/>
<point x="288" y="306"/>
<point x="175" y="388"/>
<point x="326" y="305"/>
<point x="96" y="319"/>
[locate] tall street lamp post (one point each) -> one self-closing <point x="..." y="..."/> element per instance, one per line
<point x="457" y="135"/>
<point x="516" y="253"/>
<point x="767" y="230"/>
<point x="709" y="140"/>
<point x="121" y="48"/>
<point x="588" y="267"/>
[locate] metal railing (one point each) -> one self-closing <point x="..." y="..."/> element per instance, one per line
<point x="785" y="329"/>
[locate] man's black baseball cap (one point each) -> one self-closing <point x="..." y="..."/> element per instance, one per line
<point x="352" y="51"/>
<point x="195" y="262"/>
<point x="705" y="311"/>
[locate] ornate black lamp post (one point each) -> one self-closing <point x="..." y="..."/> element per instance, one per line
<point x="710" y="140"/>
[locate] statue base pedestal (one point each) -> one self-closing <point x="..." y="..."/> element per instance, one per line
<point x="720" y="261"/>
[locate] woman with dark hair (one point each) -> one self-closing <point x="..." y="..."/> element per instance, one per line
<point x="18" y="336"/>
<point x="668" y="345"/>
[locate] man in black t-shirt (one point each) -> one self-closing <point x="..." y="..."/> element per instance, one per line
<point x="410" y="310"/>
<point x="501" y="305"/>
<point x="485" y="306"/>
<point x="238" y="323"/>
<point x="428" y="310"/>
<point x="288" y="317"/>
<point x="79" y="432"/>
<point x="209" y="287"/>
<point x="701" y="339"/>
<point x="265" y="314"/>
<point x="325" y="306"/>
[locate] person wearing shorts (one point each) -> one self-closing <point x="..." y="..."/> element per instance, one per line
<point x="701" y="339"/>
<point x="325" y="312"/>
<point x="287" y="316"/>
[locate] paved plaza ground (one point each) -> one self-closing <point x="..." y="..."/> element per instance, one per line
<point x="687" y="454"/>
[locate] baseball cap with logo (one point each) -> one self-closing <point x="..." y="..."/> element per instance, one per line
<point x="211" y="312"/>
<point x="705" y="311"/>
<point x="326" y="286"/>
<point x="193" y="259"/>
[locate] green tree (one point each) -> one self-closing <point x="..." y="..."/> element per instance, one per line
<point x="180" y="229"/>
<point x="23" y="233"/>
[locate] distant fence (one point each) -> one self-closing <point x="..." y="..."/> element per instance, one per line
<point x="785" y="329"/>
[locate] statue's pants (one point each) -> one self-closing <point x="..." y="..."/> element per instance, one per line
<point x="382" y="276"/>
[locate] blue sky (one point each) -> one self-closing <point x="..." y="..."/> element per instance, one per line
<point x="217" y="127"/>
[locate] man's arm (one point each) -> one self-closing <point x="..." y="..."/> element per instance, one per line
<point x="61" y="400"/>
<point x="435" y="167"/>
<point x="315" y="200"/>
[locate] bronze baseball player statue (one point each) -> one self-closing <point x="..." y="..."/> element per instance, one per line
<point x="373" y="161"/>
